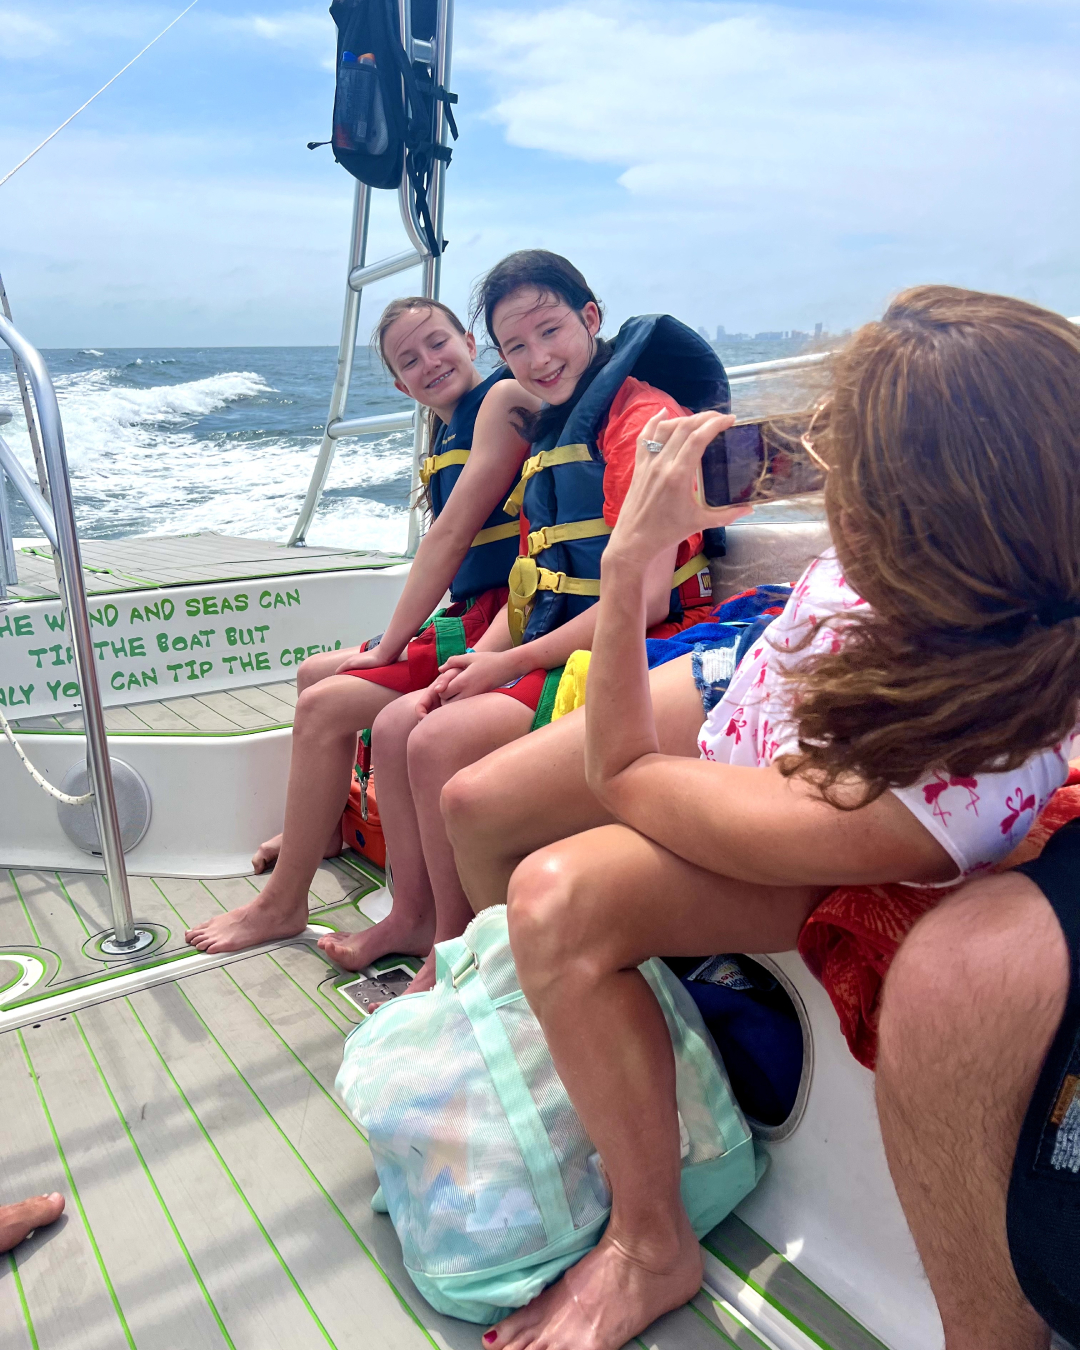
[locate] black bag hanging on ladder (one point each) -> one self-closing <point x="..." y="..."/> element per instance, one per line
<point x="384" y="106"/>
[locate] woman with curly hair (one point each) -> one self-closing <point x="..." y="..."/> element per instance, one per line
<point x="903" y="720"/>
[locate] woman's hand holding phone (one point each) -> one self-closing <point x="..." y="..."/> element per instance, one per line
<point x="661" y="508"/>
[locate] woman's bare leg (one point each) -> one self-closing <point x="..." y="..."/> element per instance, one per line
<point x="409" y="928"/>
<point x="583" y="914"/>
<point x="309" y="672"/>
<point x="533" y="792"/>
<point x="421" y="756"/>
<point x="329" y="715"/>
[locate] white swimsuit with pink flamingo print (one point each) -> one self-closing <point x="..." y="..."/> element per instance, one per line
<point x="978" y="821"/>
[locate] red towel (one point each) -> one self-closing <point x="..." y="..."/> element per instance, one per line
<point x="851" y="938"/>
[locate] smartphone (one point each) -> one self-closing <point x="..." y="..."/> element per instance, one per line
<point x="756" y="460"/>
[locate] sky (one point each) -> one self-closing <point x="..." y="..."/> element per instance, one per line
<point x="760" y="166"/>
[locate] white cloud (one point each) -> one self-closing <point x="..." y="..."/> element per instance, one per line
<point x="762" y="140"/>
<point x="23" y="37"/>
<point x="309" y="31"/>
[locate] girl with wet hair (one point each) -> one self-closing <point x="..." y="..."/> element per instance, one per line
<point x="477" y="452"/>
<point x="903" y="720"/>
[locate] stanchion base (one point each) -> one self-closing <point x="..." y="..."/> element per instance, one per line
<point x="141" y="939"/>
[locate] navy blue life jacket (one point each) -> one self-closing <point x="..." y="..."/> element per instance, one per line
<point x="561" y="493"/>
<point x="491" y="554"/>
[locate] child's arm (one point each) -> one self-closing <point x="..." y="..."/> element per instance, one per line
<point x="490" y="666"/>
<point x="486" y="480"/>
<point x="746" y="823"/>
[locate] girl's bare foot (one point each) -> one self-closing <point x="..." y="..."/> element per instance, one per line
<point x="18" y="1221"/>
<point x="393" y="936"/>
<point x="610" y="1296"/>
<point x="266" y="855"/>
<point x="424" y="979"/>
<point x="265" y="920"/>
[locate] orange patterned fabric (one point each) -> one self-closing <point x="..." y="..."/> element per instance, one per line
<point x="851" y="938"/>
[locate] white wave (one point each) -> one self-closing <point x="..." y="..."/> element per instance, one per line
<point x="90" y="351"/>
<point x="136" y="455"/>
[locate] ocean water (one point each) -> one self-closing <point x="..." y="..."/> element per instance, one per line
<point x="171" y="441"/>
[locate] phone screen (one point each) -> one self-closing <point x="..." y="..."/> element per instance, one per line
<point x="757" y="460"/>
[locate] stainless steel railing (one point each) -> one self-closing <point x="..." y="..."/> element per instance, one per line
<point x="58" y="522"/>
<point x="360" y="273"/>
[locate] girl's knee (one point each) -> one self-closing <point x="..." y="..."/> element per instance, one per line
<point x="392" y="727"/>
<point x="314" y="669"/>
<point x="467" y="805"/>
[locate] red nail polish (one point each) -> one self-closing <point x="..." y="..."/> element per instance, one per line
<point x="490" y="1337"/>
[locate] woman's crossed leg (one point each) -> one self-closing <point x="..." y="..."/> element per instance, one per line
<point x="583" y="914"/>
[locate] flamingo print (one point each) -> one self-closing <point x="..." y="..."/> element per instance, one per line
<point x="932" y="794"/>
<point x="971" y="784"/>
<point x="735" y="726"/>
<point x="1017" y="804"/>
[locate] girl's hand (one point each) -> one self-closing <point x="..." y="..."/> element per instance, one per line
<point x="660" y="509"/>
<point x="475" y="673"/>
<point x="369" y="660"/>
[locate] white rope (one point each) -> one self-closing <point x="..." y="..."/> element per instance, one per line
<point x="90" y="100"/>
<point x="42" y="783"/>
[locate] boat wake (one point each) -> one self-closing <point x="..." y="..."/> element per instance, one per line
<point x="230" y="451"/>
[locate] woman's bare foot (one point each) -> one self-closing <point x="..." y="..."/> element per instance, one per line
<point x="264" y="920"/>
<point x="18" y="1221"/>
<point x="392" y="936"/>
<point x="266" y="855"/>
<point x="610" y="1296"/>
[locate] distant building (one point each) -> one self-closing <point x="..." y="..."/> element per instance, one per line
<point x="796" y="333"/>
<point x="770" y="337"/>
<point x="720" y="334"/>
<point x="704" y="333"/>
<point x="817" y="330"/>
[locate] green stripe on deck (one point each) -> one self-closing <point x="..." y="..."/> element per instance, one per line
<point x="782" y="1285"/>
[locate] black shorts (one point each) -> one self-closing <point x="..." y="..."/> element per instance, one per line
<point x="1044" y="1193"/>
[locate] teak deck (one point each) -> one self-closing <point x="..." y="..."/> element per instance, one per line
<point x="181" y="560"/>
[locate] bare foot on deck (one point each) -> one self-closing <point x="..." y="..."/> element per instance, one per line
<point x="390" y="937"/>
<point x="18" y="1221"/>
<point x="424" y="979"/>
<point x="266" y="855"/>
<point x="610" y="1296"/>
<point x="248" y="926"/>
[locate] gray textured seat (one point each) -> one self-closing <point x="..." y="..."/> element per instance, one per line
<point x="759" y="552"/>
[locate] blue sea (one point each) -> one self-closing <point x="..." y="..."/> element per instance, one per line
<point x="176" y="440"/>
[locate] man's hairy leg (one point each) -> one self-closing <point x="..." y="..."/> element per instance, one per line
<point x="970" y="1006"/>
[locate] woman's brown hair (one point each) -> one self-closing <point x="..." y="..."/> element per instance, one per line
<point x="952" y="434"/>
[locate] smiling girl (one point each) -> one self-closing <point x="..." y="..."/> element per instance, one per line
<point x="477" y="451"/>
<point x="597" y="395"/>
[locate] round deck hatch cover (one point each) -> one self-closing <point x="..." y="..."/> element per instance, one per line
<point x="132" y="807"/>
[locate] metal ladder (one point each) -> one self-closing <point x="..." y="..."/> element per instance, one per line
<point x="434" y="53"/>
<point x="57" y="521"/>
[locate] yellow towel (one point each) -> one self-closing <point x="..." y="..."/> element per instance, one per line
<point x="571" y="691"/>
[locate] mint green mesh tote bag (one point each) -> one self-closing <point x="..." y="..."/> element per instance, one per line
<point x="486" y="1171"/>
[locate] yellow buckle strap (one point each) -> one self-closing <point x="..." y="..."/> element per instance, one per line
<point x="494" y="532"/>
<point x="697" y="564"/>
<point x="434" y="463"/>
<point x="546" y="459"/>
<point x="574" y="529"/>
<point x="526" y="579"/>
